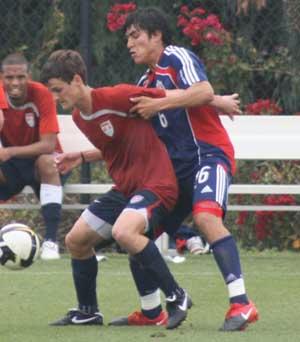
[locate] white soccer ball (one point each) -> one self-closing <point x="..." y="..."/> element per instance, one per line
<point x="19" y="246"/>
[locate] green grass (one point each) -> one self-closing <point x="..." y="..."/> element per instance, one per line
<point x="31" y="298"/>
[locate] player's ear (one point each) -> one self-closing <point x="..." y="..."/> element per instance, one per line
<point x="77" y="79"/>
<point x="157" y="35"/>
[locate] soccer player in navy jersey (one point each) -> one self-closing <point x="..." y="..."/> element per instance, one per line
<point x="187" y="121"/>
<point x="143" y="193"/>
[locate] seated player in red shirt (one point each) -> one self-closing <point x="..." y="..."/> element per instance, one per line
<point x="28" y="133"/>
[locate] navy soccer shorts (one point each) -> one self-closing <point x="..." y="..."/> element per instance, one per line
<point x="209" y="183"/>
<point x="20" y="172"/>
<point x="104" y="211"/>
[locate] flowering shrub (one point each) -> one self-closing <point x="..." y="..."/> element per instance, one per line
<point x="200" y="26"/>
<point x="267" y="229"/>
<point x="263" y="107"/>
<point x="117" y="15"/>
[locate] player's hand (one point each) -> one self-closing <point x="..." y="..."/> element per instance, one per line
<point x="4" y="154"/>
<point x="66" y="162"/>
<point x="1" y="119"/>
<point x="144" y="106"/>
<point x="231" y="105"/>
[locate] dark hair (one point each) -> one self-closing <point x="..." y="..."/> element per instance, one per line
<point x="150" y="19"/>
<point x="64" y="64"/>
<point x="15" y="59"/>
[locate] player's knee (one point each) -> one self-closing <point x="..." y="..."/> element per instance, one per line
<point x="205" y="220"/>
<point x="46" y="166"/>
<point x="76" y="246"/>
<point x="121" y="235"/>
<point x="211" y="226"/>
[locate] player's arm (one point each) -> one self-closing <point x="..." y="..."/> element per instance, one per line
<point x="3" y="101"/>
<point x="46" y="145"/>
<point x="227" y="104"/>
<point x="68" y="161"/>
<point x="3" y="105"/>
<point x="197" y="94"/>
<point x="1" y="119"/>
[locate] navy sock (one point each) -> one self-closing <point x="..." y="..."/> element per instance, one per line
<point x="84" y="276"/>
<point x="145" y="285"/>
<point x="152" y="261"/>
<point x="51" y="213"/>
<point x="227" y="257"/>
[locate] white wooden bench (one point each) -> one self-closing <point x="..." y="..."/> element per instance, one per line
<point x="254" y="138"/>
<point x="265" y="138"/>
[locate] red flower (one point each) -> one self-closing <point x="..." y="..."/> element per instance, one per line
<point x="200" y="26"/>
<point x="279" y="200"/>
<point x="255" y="176"/>
<point x="117" y="15"/>
<point x="262" y="106"/>
<point x="263" y="219"/>
<point x="242" y="218"/>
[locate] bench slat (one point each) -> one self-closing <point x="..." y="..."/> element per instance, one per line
<point x="78" y="206"/>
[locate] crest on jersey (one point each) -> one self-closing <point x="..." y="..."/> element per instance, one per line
<point x="30" y="119"/>
<point x="107" y="128"/>
<point x="136" y="199"/>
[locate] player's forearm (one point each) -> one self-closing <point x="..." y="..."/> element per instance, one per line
<point x="219" y="103"/>
<point x="91" y="155"/>
<point x="30" y="151"/>
<point x="198" y="94"/>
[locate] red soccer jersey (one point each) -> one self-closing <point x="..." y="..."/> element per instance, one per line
<point x="134" y="155"/>
<point x="23" y="125"/>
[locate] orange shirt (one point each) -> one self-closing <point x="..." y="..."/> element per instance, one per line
<point x="23" y="125"/>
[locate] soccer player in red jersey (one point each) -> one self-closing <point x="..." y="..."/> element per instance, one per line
<point x="28" y="135"/>
<point x="143" y="194"/>
<point x="200" y="149"/>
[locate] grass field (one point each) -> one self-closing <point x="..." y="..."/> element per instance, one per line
<point x="31" y="298"/>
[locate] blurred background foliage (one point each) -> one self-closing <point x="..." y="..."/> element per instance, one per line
<point x="259" y="57"/>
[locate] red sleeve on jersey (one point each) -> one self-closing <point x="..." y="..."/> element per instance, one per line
<point x="3" y="102"/>
<point x="118" y="97"/>
<point x="44" y="100"/>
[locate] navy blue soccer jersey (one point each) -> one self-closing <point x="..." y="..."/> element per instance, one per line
<point x="189" y="134"/>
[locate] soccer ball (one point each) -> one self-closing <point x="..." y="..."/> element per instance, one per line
<point x="19" y="246"/>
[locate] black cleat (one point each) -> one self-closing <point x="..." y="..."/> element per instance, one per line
<point x="177" y="307"/>
<point x="77" y="317"/>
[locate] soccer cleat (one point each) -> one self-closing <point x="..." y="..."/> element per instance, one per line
<point x="180" y="245"/>
<point x="177" y="308"/>
<point x="50" y="250"/>
<point x="138" y="318"/>
<point x="77" y="317"/>
<point x="196" y="245"/>
<point x="239" y="316"/>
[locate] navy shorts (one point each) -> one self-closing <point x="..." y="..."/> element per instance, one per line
<point x="209" y="183"/>
<point x="20" y="172"/>
<point x="104" y="211"/>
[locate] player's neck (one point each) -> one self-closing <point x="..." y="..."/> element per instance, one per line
<point x="84" y="103"/>
<point x="18" y="101"/>
<point x="155" y="58"/>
